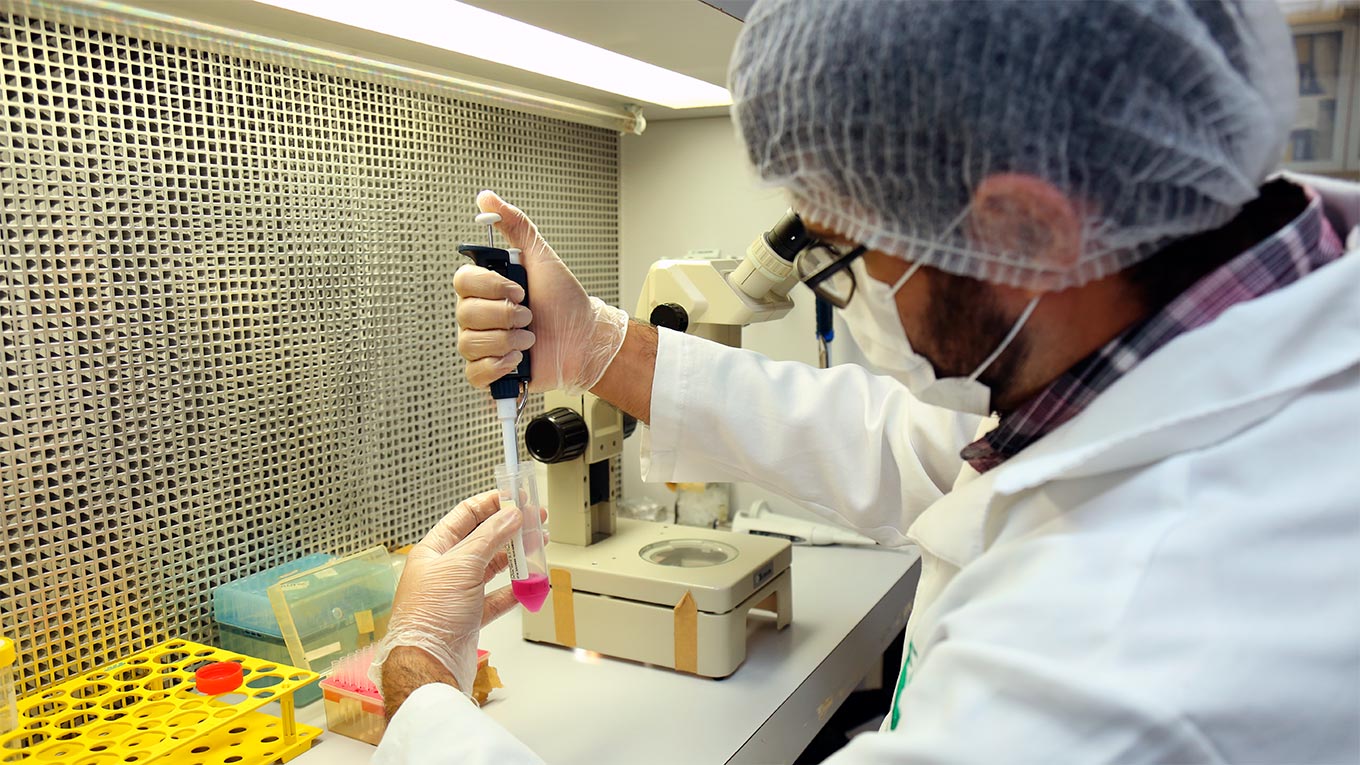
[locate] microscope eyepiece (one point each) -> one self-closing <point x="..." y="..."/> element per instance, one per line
<point x="788" y="237"/>
<point x="767" y="270"/>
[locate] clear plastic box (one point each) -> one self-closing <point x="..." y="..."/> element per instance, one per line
<point x="335" y="609"/>
<point x="332" y="617"/>
<point x="246" y="620"/>
<point x="357" y="712"/>
<point x="354" y="713"/>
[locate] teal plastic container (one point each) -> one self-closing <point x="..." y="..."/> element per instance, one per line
<point x="247" y="622"/>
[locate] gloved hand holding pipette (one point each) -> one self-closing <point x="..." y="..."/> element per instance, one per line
<point x="528" y="568"/>
<point x="572" y="344"/>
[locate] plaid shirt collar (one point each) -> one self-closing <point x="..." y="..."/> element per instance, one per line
<point x="1303" y="246"/>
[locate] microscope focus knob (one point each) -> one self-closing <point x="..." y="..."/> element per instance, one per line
<point x="671" y="316"/>
<point x="557" y="436"/>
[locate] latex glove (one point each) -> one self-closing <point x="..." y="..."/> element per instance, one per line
<point x="574" y="336"/>
<point x="440" y="605"/>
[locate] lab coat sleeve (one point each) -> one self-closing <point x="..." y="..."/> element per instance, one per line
<point x="437" y="725"/>
<point x="854" y="447"/>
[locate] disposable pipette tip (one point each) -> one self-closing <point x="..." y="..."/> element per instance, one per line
<point x="505" y="412"/>
<point x="351" y="673"/>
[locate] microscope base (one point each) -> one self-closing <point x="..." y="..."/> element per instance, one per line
<point x="657" y="635"/>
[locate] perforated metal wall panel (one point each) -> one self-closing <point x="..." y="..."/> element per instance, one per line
<point x="227" y="315"/>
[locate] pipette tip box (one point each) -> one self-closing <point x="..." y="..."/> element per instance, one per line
<point x="246" y="621"/>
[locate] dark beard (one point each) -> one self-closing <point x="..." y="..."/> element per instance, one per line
<point x="965" y="326"/>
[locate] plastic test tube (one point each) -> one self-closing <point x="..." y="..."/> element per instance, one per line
<point x="528" y="564"/>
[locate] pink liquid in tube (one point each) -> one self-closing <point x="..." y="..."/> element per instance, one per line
<point x="526" y="559"/>
<point x="531" y="592"/>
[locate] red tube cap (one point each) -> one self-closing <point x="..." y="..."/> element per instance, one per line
<point x="220" y="677"/>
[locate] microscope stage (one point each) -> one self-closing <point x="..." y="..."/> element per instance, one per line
<point x="659" y="562"/>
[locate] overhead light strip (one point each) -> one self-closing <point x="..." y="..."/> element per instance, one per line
<point x="471" y="31"/>
<point x="133" y="21"/>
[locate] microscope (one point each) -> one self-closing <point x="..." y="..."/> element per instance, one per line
<point x="673" y="596"/>
<point x="714" y="299"/>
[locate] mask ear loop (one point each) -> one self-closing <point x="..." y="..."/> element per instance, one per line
<point x="916" y="265"/>
<point x="1015" y="330"/>
<point x="897" y="285"/>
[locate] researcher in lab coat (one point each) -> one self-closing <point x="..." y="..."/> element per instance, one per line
<point x="1120" y="406"/>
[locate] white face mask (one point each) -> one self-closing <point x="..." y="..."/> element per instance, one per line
<point x="873" y="321"/>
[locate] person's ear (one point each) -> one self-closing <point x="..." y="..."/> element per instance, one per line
<point x="1028" y="216"/>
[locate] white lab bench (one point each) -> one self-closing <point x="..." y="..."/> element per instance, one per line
<point x="848" y="603"/>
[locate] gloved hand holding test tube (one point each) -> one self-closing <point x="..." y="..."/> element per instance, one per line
<point x="517" y="487"/>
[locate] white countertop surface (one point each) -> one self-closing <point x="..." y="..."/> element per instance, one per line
<point x="571" y="707"/>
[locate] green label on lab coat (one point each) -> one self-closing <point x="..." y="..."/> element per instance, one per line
<point x="903" y="680"/>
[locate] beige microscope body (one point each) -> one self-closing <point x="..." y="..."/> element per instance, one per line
<point x="672" y="596"/>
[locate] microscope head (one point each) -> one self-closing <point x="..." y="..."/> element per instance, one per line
<point x="768" y="266"/>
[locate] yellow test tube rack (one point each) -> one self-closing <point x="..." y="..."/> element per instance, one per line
<point x="145" y="708"/>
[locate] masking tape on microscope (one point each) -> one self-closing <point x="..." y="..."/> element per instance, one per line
<point x="564" y="613"/>
<point x="687" y="635"/>
<point x="686" y="621"/>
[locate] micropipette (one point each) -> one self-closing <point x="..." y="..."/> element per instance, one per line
<point x="528" y="567"/>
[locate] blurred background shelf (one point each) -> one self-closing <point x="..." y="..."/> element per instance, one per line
<point x="1326" y="134"/>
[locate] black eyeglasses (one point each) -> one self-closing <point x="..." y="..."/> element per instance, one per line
<point x="826" y="271"/>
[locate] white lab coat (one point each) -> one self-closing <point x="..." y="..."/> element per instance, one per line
<point x="1172" y="576"/>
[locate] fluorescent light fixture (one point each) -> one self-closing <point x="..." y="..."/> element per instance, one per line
<point x="471" y="31"/>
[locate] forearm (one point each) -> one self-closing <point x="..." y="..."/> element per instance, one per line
<point x="627" y="382"/>
<point x="853" y="447"/>
<point x="405" y="670"/>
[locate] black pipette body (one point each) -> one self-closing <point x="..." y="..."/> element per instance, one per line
<point x="500" y="261"/>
